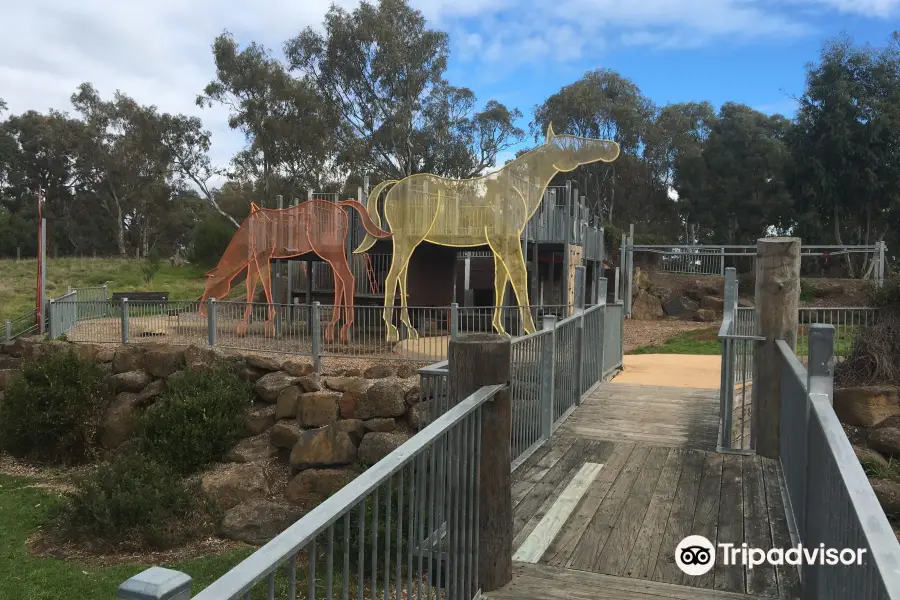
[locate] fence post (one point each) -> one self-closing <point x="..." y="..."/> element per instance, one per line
<point x="454" y="320"/>
<point x="156" y="583"/>
<point x="211" y="321"/>
<point x="777" y="302"/>
<point x="820" y="373"/>
<point x="54" y="322"/>
<point x="882" y="246"/>
<point x="726" y="375"/>
<point x="124" y="320"/>
<point x="316" y="333"/>
<point x="7" y="330"/>
<point x="628" y="275"/>
<point x="722" y="263"/>
<point x="579" y="332"/>
<point x="548" y="369"/>
<point x="477" y="360"/>
<point x="601" y="333"/>
<point x="616" y="287"/>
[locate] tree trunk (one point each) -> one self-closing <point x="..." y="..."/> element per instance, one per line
<point x="837" y="237"/>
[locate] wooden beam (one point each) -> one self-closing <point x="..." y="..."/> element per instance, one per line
<point x="777" y="303"/>
<point x="476" y="360"/>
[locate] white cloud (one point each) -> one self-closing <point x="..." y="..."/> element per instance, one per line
<point x="158" y="51"/>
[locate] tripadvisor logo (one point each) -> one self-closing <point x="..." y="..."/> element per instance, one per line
<point x="695" y="555"/>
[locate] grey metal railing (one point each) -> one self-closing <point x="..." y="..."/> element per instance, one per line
<point x="90" y="301"/>
<point x="406" y="526"/>
<point x="25" y="324"/>
<point x="828" y="495"/>
<point x="62" y="314"/>
<point x="848" y="323"/>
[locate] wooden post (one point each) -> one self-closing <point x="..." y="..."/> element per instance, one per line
<point x="777" y="303"/>
<point x="476" y="360"/>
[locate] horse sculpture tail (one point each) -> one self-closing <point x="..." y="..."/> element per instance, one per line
<point x="373" y="231"/>
<point x="374" y="220"/>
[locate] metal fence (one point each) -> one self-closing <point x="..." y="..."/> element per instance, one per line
<point x="62" y="314"/>
<point x="830" y="498"/>
<point x="847" y="321"/>
<point x="25" y="324"/>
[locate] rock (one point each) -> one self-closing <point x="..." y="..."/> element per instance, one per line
<point x="310" y="383"/>
<point x="745" y="303"/>
<point x="407" y="371"/>
<point x="857" y="435"/>
<point x="312" y="486"/>
<point x="286" y="404"/>
<point x="866" y="406"/>
<point x="10" y="362"/>
<point x="230" y="484"/>
<point x="24" y="346"/>
<point x="315" y="409"/>
<point x="325" y="447"/>
<point x="252" y="449"/>
<point x="352" y="373"/>
<point x="385" y="398"/>
<point x="380" y="425"/>
<point x="259" y="419"/>
<point x="246" y="372"/>
<point x="645" y="307"/>
<point x="270" y="385"/>
<point x="379" y="372"/>
<point x="413" y="396"/>
<point x="296" y="369"/>
<point x="680" y="306"/>
<point x="148" y="394"/>
<point x="704" y="315"/>
<point x="888" y="494"/>
<point x="127" y="358"/>
<point x="867" y="455"/>
<point x="6" y="377"/>
<point x="162" y="361"/>
<point x="642" y="281"/>
<point x="376" y="446"/>
<point x="355" y="428"/>
<point x="118" y="420"/>
<point x="174" y="377"/>
<point x="699" y="289"/>
<point x="130" y="381"/>
<point x="197" y="358"/>
<point x="258" y="521"/>
<point x="90" y="351"/>
<point x="418" y="415"/>
<point x="284" y="434"/>
<point x="266" y="363"/>
<point x="712" y="303"/>
<point x="886" y="441"/>
<point x="350" y="398"/>
<point x="342" y="384"/>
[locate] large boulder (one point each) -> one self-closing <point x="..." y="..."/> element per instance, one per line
<point x="251" y="450"/>
<point x="380" y="425"/>
<point x="118" y="420"/>
<point x="681" y="307"/>
<point x="310" y="383"/>
<point x="163" y="360"/>
<point x="886" y="441"/>
<point x="266" y="363"/>
<point x="700" y="289"/>
<point x="705" y="315"/>
<point x="351" y="396"/>
<point x="646" y="307"/>
<point x="888" y="494"/>
<point x="315" y="409"/>
<point x="229" y="484"/>
<point x="258" y="521"/>
<point x="413" y="395"/>
<point x="149" y="394"/>
<point x="9" y="362"/>
<point x="380" y="371"/>
<point x="866" y="406"/>
<point x="312" y="486"/>
<point x="259" y="419"/>
<point x="376" y="446"/>
<point x="642" y="281"/>
<point x="130" y="381"/>
<point x="197" y="358"/>
<point x="418" y="416"/>
<point x="286" y="405"/>
<point x="285" y="434"/>
<point x="869" y="456"/>
<point x="128" y="358"/>
<point x="385" y="398"/>
<point x="246" y="372"/>
<point x="296" y="369"/>
<point x="24" y="346"/>
<point x="324" y="447"/>
<point x="270" y="385"/>
<point x="407" y="371"/>
<point x="6" y="377"/>
<point x="712" y="303"/>
<point x="342" y="384"/>
<point x="355" y="428"/>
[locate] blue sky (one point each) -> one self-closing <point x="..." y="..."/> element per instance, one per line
<point x="516" y="51"/>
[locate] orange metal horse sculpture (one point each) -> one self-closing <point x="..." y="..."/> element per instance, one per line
<point x="314" y="226"/>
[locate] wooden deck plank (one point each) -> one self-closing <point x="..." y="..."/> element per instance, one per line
<point x="706" y="514"/>
<point x="624" y="535"/>
<point x="538" y="494"/>
<point x="544" y="582"/>
<point x="525" y="479"/>
<point x="642" y="561"/>
<point x="587" y="552"/>
<point x="761" y="580"/>
<point x="560" y="550"/>
<point x="788" y="575"/>
<point x="731" y="523"/>
<point x="681" y="518"/>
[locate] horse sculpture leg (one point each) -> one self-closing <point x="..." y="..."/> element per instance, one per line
<point x="518" y="275"/>
<point x="500" y="279"/>
<point x="265" y="277"/>
<point x="252" y="279"/>
<point x="404" y="309"/>
<point x="343" y="295"/>
<point x="398" y="266"/>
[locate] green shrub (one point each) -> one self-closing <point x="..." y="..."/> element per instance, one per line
<point x="211" y="237"/>
<point x="53" y="410"/>
<point x="807" y="291"/>
<point x="150" y="265"/>
<point x="196" y="421"/>
<point x="886" y="296"/>
<point x="136" y="501"/>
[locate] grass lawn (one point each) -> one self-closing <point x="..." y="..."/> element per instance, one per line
<point x="700" y="341"/>
<point x="19" y="278"/>
<point x="24" y="510"/>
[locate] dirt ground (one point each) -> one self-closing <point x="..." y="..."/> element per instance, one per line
<point x="654" y="333"/>
<point x="676" y="370"/>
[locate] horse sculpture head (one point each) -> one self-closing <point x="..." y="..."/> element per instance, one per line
<point x="568" y="152"/>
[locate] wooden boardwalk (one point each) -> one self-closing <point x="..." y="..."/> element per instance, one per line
<point x="600" y="508"/>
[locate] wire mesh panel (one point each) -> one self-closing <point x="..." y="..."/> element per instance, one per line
<point x="474" y="319"/>
<point x="175" y="322"/>
<point x="62" y="314"/>
<point x="90" y="301"/>
<point x="848" y="323"/>
<point x="593" y="346"/>
<point x="526" y="377"/>
<point x="566" y="354"/>
<point x="103" y="325"/>
<point x="612" y="338"/>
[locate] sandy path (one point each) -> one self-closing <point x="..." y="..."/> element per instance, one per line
<point x="676" y="370"/>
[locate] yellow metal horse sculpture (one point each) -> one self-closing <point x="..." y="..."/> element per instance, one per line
<point x="465" y="213"/>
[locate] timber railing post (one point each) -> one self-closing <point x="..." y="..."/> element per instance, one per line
<point x="548" y="368"/>
<point x="316" y="333"/>
<point x="476" y="360"/>
<point x="156" y="583"/>
<point x="777" y="304"/>
<point x="124" y="320"/>
<point x="211" y="321"/>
